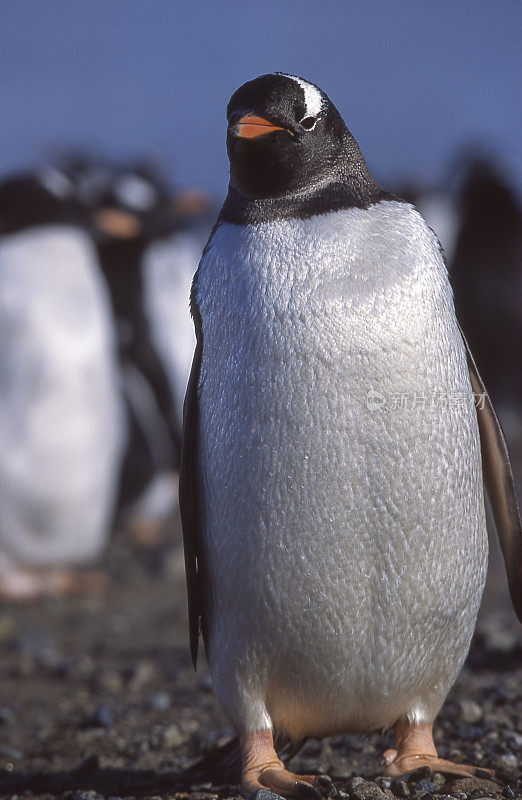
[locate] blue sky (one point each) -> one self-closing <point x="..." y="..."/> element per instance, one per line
<point x="414" y="79"/>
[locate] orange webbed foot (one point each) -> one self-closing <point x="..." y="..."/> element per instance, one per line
<point x="414" y="748"/>
<point x="263" y="770"/>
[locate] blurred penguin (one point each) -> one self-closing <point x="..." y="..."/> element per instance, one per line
<point x="61" y="421"/>
<point x="148" y="259"/>
<point x="437" y="205"/>
<point x="169" y="266"/>
<point x="485" y="273"/>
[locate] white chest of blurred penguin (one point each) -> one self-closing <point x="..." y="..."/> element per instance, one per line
<point x="169" y="269"/>
<point x="336" y="547"/>
<point x="61" y="426"/>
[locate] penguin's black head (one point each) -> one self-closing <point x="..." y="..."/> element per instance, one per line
<point x="36" y="198"/>
<point x="285" y="135"/>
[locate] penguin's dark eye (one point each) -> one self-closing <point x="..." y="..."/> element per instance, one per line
<point x="308" y="123"/>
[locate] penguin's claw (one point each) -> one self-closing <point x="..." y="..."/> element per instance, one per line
<point x="414" y="748"/>
<point x="409" y="763"/>
<point x="262" y="769"/>
<point x="288" y="784"/>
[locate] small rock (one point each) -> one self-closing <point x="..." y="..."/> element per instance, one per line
<point x="111" y="681"/>
<point x="470" y="711"/>
<point x="439" y="780"/>
<point x="508" y="761"/>
<point x="400" y="788"/>
<point x="515" y="739"/>
<point x="508" y="792"/>
<point x="173" y="737"/>
<point x="468" y="785"/>
<point x="80" y="794"/>
<point x="145" y="672"/>
<point x="360" y="789"/>
<point x="264" y="794"/>
<point x="41" y="649"/>
<point x="425" y="785"/>
<point x="158" y="702"/>
<point x="102" y="717"/>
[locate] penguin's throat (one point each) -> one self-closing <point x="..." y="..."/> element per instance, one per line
<point x="321" y="197"/>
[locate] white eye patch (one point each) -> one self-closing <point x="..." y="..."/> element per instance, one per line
<point x="313" y="98"/>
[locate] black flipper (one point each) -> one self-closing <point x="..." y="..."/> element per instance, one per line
<point x="189" y="492"/>
<point x="500" y="485"/>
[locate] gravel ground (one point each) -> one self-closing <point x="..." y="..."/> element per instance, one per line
<point x="99" y="699"/>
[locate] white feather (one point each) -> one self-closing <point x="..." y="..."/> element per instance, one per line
<point x="346" y="547"/>
<point x="313" y="97"/>
<point x="169" y="267"/>
<point x="61" y="425"/>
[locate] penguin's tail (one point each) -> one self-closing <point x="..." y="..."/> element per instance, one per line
<point x="222" y="765"/>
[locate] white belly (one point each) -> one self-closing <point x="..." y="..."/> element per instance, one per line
<point x="346" y="546"/>
<point x="61" y="421"/>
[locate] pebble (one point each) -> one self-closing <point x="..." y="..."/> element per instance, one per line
<point x="470" y="711"/>
<point x="515" y="739"/>
<point x="439" y="780"/>
<point x="466" y="786"/>
<point x="400" y="787"/>
<point x="425" y="786"/>
<point x="360" y="789"/>
<point x="264" y="794"/>
<point x="173" y="737"/>
<point x="102" y="717"/>
<point x="145" y="672"/>
<point x="80" y="794"/>
<point x="111" y="681"/>
<point x="158" y="702"/>
<point x="508" y="761"/>
<point x="41" y="649"/>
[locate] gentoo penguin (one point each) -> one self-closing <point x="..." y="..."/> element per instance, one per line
<point x="438" y="207"/>
<point x="130" y="212"/>
<point x="331" y="484"/>
<point x="486" y="271"/>
<point x="61" y="426"/>
<point x="169" y="265"/>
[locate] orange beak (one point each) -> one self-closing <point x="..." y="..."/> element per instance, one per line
<point x="250" y="127"/>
